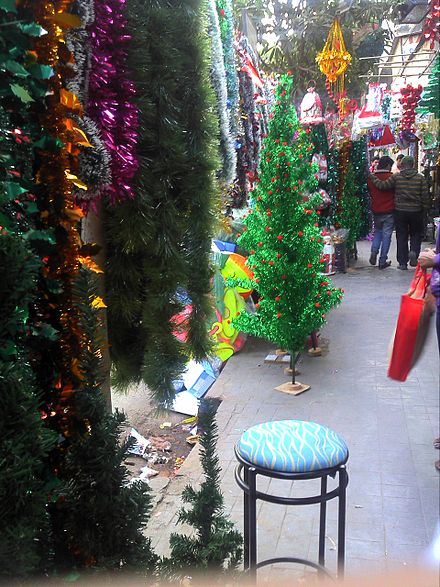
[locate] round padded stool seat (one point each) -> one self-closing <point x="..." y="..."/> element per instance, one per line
<point x="292" y="446"/>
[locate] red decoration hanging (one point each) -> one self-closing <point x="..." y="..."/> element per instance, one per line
<point x="431" y="28"/>
<point x="409" y="100"/>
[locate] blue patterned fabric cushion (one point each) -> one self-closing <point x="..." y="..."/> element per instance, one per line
<point x="292" y="446"/>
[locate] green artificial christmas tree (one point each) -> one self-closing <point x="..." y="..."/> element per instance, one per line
<point x="216" y="546"/>
<point x="98" y="518"/>
<point x="283" y="236"/>
<point x="159" y="242"/>
<point x="25" y="443"/>
<point x="430" y="99"/>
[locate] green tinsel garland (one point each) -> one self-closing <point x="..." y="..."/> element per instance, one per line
<point x="159" y="243"/>
<point x="358" y="158"/>
<point x="430" y="99"/>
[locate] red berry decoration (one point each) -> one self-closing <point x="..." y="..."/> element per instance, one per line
<point x="280" y="237"/>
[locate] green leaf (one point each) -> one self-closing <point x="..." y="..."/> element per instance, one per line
<point x="21" y="93"/>
<point x="48" y="143"/>
<point x="41" y="235"/>
<point x="41" y="71"/>
<point x="9" y="349"/>
<point x="8" y="6"/>
<point x="14" y="190"/>
<point x="31" y="207"/>
<point x="15" y="68"/>
<point x="32" y="29"/>
<point x="46" y="330"/>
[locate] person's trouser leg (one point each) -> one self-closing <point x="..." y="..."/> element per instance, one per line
<point x="387" y="232"/>
<point x="377" y="239"/>
<point x="401" y="237"/>
<point x="416" y="229"/>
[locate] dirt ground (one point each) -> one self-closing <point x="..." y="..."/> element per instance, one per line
<point x="166" y="430"/>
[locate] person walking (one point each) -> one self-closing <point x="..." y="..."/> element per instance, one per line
<point x="382" y="206"/>
<point x="411" y="200"/>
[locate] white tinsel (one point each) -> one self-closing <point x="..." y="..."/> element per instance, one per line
<point x="94" y="163"/>
<point x="218" y="80"/>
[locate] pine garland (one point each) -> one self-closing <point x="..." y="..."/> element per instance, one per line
<point x="25" y="443"/>
<point x="160" y="242"/>
<point x="218" y="79"/>
<point x="100" y="518"/>
<point x="216" y="546"/>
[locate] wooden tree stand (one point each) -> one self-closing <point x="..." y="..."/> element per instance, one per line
<point x="315" y="351"/>
<point x="293" y="387"/>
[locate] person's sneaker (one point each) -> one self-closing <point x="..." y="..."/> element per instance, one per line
<point x="373" y="258"/>
<point x="384" y="265"/>
<point x="402" y="267"/>
<point x="412" y="258"/>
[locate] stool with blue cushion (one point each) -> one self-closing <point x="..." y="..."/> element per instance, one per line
<point x="291" y="450"/>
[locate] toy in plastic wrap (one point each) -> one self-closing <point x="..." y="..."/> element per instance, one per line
<point x="311" y="106"/>
<point x="228" y="340"/>
<point x="329" y="256"/>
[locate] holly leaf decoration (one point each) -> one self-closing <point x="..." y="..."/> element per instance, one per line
<point x="21" y="93"/>
<point x="15" y="68"/>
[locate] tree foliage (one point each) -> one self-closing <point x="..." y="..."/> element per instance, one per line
<point x="292" y="33"/>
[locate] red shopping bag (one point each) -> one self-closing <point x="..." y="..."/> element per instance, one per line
<point x="416" y="309"/>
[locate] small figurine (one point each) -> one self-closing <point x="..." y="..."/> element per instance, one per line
<point x="328" y="254"/>
<point x="311" y="106"/>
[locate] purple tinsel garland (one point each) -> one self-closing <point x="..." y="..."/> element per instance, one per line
<point x="111" y="95"/>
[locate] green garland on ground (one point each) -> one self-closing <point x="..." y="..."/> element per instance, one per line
<point x="159" y="243"/>
<point x="216" y="545"/>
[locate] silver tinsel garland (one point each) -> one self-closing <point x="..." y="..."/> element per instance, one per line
<point x="218" y="80"/>
<point x="94" y="162"/>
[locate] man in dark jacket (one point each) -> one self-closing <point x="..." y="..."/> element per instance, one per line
<point x="382" y="206"/>
<point x="411" y="200"/>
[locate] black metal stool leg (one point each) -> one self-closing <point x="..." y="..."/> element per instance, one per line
<point x="322" y="520"/>
<point x="252" y="523"/>
<point x="343" y="480"/>
<point x="246" y="520"/>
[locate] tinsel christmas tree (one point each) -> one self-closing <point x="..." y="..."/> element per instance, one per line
<point x="283" y="237"/>
<point x="159" y="243"/>
<point x="430" y="99"/>
<point x="216" y="546"/>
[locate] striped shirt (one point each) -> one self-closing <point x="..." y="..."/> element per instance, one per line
<point x="411" y="191"/>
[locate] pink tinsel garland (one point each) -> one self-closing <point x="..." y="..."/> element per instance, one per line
<point x="111" y="95"/>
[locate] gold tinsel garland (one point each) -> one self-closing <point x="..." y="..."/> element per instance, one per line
<point x="56" y="173"/>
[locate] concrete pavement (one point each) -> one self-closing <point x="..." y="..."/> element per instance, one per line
<point x="393" y="493"/>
